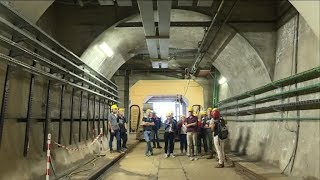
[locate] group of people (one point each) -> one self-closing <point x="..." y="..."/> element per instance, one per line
<point x="117" y="124"/>
<point x="197" y="128"/>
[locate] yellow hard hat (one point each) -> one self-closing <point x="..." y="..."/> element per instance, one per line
<point x="114" y="106"/>
<point x="121" y="109"/>
<point x="148" y="111"/>
<point x="203" y="112"/>
<point x="209" y="109"/>
<point x="183" y="116"/>
<point x="190" y="109"/>
<point x="214" y="109"/>
<point x="168" y="114"/>
<point x="195" y="113"/>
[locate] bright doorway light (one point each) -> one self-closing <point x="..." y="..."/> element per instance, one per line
<point x="106" y="49"/>
<point x="222" y="80"/>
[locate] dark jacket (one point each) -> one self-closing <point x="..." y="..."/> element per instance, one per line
<point x="157" y="123"/>
<point x="174" y="126"/>
<point x="192" y="119"/>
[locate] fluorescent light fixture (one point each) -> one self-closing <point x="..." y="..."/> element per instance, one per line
<point x="106" y="49"/>
<point x="222" y="80"/>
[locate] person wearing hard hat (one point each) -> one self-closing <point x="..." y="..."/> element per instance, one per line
<point x="218" y="143"/>
<point x="201" y="138"/>
<point x="123" y="128"/>
<point x="114" y="128"/>
<point x="148" y="123"/>
<point x="170" y="127"/>
<point x="156" y="127"/>
<point x="191" y="133"/>
<point x="182" y="126"/>
<point x="208" y="133"/>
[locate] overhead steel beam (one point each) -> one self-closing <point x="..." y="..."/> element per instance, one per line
<point x="205" y="3"/>
<point x="124" y="2"/>
<point x="218" y="22"/>
<point x="147" y="16"/>
<point x="106" y="2"/>
<point x="185" y="2"/>
<point x="197" y="23"/>
<point x="164" y="12"/>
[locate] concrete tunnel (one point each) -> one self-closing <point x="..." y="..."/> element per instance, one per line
<point x="65" y="63"/>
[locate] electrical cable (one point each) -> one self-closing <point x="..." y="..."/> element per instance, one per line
<point x="293" y="155"/>
<point x="84" y="170"/>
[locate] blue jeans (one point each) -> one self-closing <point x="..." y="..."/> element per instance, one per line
<point x="183" y="142"/>
<point x="117" y="135"/>
<point x="148" y="136"/>
<point x="156" y="138"/>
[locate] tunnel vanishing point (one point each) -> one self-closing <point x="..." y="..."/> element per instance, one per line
<point x="64" y="63"/>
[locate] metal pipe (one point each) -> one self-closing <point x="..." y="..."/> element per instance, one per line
<point x="4" y="103"/>
<point x="36" y="71"/>
<point x="71" y="116"/>
<point x="31" y="28"/>
<point x="216" y="88"/>
<point x="203" y="50"/>
<point x="298" y="91"/>
<point x="44" y="61"/>
<point x="274" y="119"/>
<point x="300" y="77"/>
<point x="29" y="113"/>
<point x="61" y="113"/>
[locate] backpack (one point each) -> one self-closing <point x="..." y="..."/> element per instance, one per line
<point x="222" y="131"/>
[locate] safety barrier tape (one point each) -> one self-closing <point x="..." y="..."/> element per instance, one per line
<point x="78" y="149"/>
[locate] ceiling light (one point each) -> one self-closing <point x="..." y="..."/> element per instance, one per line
<point x="222" y="80"/>
<point x="106" y="49"/>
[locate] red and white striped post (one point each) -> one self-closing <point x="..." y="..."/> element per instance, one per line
<point x="101" y="144"/>
<point x="48" y="157"/>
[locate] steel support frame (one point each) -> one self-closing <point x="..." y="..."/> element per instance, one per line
<point x="94" y="117"/>
<point x="61" y="118"/>
<point x="28" y="26"/>
<point x="71" y="116"/>
<point x="99" y="111"/>
<point x="4" y="103"/>
<point x="29" y="114"/>
<point x="80" y="116"/>
<point x="47" y="120"/>
<point x="88" y="116"/>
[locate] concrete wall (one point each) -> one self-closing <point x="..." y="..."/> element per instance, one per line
<point x="11" y="150"/>
<point x="12" y="146"/>
<point x="275" y="142"/>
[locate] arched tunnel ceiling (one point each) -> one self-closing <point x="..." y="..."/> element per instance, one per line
<point x="127" y="42"/>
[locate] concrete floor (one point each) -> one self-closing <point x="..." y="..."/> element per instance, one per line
<point x="136" y="166"/>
